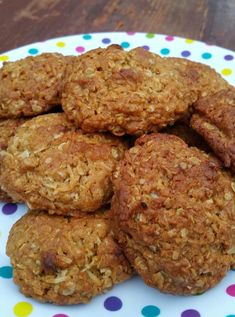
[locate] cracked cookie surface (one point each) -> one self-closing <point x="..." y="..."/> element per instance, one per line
<point x="51" y="165"/>
<point x="214" y="120"/>
<point x="65" y="260"/>
<point x="174" y="214"/>
<point x="32" y="85"/>
<point x="124" y="92"/>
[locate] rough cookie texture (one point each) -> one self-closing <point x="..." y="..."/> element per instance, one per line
<point x="174" y="212"/>
<point x="215" y="121"/>
<point x="51" y="165"/>
<point x="7" y="130"/>
<point x="65" y="260"/>
<point x="124" y="92"/>
<point x="31" y="85"/>
<point x="202" y="79"/>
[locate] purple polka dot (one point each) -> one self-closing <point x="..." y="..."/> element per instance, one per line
<point x="228" y="57"/>
<point x="185" y="53"/>
<point x="146" y="47"/>
<point x="231" y="290"/>
<point x="9" y="209"/>
<point x="113" y="303"/>
<point x="130" y="33"/>
<point x="80" y="49"/>
<point x="169" y="38"/>
<point x="60" y="315"/>
<point x="190" y="313"/>
<point x="106" y="41"/>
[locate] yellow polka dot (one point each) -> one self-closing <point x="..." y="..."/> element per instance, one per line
<point x="23" y="309"/>
<point x="226" y="71"/>
<point x="60" y="44"/>
<point x="4" y="58"/>
<point x="189" y="41"/>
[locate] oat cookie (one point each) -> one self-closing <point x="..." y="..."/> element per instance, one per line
<point x="174" y="214"/>
<point x="51" y="165"/>
<point x="65" y="260"/>
<point x="202" y="79"/>
<point x="124" y="92"/>
<point x="7" y="130"/>
<point x="215" y="121"/>
<point x="32" y="85"/>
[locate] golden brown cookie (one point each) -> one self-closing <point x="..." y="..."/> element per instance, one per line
<point x="202" y="79"/>
<point x="124" y="92"/>
<point x="7" y="130"/>
<point x="174" y="216"/>
<point x="65" y="260"/>
<point x="51" y="165"/>
<point x="214" y="120"/>
<point x="31" y="85"/>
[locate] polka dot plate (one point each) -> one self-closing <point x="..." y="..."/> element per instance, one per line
<point x="132" y="298"/>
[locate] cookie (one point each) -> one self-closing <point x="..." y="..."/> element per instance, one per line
<point x="124" y="92"/>
<point x="214" y="120"/>
<point x="7" y="130"/>
<point x="202" y="79"/>
<point x="65" y="260"/>
<point x="32" y="85"/>
<point x="173" y="210"/>
<point x="51" y="165"/>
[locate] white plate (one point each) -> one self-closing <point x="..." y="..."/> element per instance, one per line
<point x="132" y="298"/>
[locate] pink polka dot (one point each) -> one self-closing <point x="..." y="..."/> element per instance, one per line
<point x="231" y="290"/>
<point x="169" y="38"/>
<point x="80" y="49"/>
<point x="60" y="315"/>
<point x="130" y="33"/>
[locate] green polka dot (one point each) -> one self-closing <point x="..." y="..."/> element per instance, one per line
<point x="150" y="35"/>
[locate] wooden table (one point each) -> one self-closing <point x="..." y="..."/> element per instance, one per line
<point x="27" y="21"/>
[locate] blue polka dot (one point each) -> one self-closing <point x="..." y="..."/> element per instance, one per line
<point x="113" y="303"/>
<point x="9" y="208"/>
<point x="185" y="53"/>
<point x="6" y="271"/>
<point x="33" y="51"/>
<point x="106" y="41"/>
<point x="206" y="55"/>
<point x="87" y="36"/>
<point x="165" y="51"/>
<point x="150" y="311"/>
<point x="125" y="44"/>
<point x="146" y="47"/>
<point x="230" y="316"/>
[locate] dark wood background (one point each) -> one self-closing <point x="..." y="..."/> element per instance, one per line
<point x="26" y="21"/>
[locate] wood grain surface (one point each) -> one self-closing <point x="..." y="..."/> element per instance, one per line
<point x="27" y="21"/>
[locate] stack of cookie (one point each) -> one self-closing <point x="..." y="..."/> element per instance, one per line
<point x="172" y="213"/>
